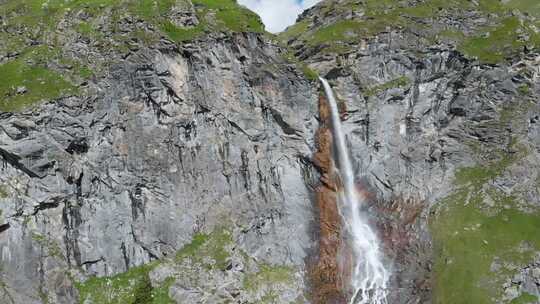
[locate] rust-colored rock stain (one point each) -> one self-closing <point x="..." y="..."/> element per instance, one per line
<point x="328" y="272"/>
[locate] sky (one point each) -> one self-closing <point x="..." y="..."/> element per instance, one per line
<point x="278" y="14"/>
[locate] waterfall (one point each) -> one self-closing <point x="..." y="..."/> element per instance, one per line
<point x="369" y="277"/>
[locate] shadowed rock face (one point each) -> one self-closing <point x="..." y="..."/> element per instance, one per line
<point x="207" y="159"/>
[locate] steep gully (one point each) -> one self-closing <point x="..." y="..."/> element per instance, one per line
<point x="357" y="274"/>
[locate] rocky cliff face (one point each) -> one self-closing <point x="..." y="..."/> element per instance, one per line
<point x="189" y="158"/>
<point x="172" y="152"/>
<point x="442" y="104"/>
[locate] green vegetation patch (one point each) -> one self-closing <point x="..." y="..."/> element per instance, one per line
<point x="134" y="286"/>
<point x="50" y="245"/>
<point x="524" y="89"/>
<point x="180" y="34"/>
<point x="268" y="275"/>
<point x="345" y="30"/>
<point x="4" y="192"/>
<point x="468" y="242"/>
<point x="210" y="250"/>
<point x="309" y="73"/>
<point x="477" y="227"/>
<point x="350" y="31"/>
<point x="42" y="14"/>
<point x="395" y="83"/>
<point x="492" y="45"/>
<point x="215" y="15"/>
<point x="131" y="287"/>
<point x="525" y="299"/>
<point x="24" y="85"/>
<point x="150" y="9"/>
<point x="295" y="30"/>
<point x="531" y="7"/>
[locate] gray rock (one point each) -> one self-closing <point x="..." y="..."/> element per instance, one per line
<point x="21" y="90"/>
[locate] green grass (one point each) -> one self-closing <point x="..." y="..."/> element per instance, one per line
<point x="468" y="241"/>
<point x="475" y="177"/>
<point x="210" y="250"/>
<point x="240" y="20"/>
<point x="294" y="30"/>
<point x="40" y="83"/>
<point x="192" y="248"/>
<point x="524" y="89"/>
<point x="227" y="16"/>
<point x="451" y="34"/>
<point x="134" y="287"/>
<point x="395" y="83"/>
<point x="494" y="44"/>
<point x="46" y="13"/>
<point x="160" y="295"/>
<point x="469" y="233"/>
<point x="309" y="73"/>
<point x="85" y="72"/>
<point x="131" y="287"/>
<point x="180" y="34"/>
<point x="352" y="31"/>
<point x="525" y="299"/>
<point x="86" y="28"/>
<point x="531" y="7"/>
<point x="150" y="9"/>
<point x="268" y="275"/>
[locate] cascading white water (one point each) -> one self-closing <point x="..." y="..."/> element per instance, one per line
<point x="369" y="277"/>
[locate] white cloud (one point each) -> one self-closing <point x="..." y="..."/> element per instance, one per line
<point x="278" y="14"/>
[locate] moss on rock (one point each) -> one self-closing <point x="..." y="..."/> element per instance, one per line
<point x="267" y="275"/>
<point x="395" y="83"/>
<point x="210" y="250"/>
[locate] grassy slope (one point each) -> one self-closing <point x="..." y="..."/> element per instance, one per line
<point x="471" y="235"/>
<point x="489" y="44"/>
<point x="33" y="80"/>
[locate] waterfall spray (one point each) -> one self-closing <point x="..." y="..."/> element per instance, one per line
<point x="369" y="278"/>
